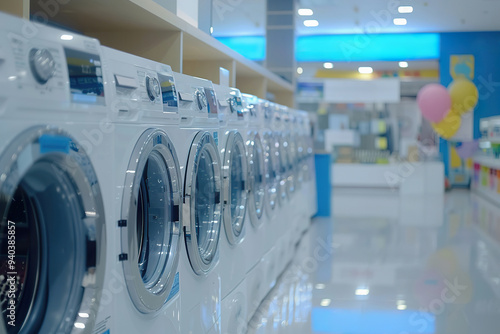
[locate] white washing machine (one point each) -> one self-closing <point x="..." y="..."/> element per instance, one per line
<point x="290" y="143"/>
<point x="54" y="179"/>
<point x="285" y="211"/>
<point x="310" y="175"/>
<point x="271" y="164"/>
<point x="235" y="187"/>
<point x="281" y="153"/>
<point x="304" y="175"/>
<point x="202" y="206"/>
<point x="275" y="234"/>
<point x="148" y="194"/>
<point x="256" y="246"/>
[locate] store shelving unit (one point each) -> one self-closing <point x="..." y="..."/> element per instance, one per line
<point x="146" y="29"/>
<point x="483" y="182"/>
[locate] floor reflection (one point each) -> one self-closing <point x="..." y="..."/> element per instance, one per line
<point x="391" y="265"/>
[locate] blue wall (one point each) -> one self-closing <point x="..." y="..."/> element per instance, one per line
<point x="485" y="46"/>
<point x="386" y="47"/>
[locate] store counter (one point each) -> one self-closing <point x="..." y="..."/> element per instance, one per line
<point x="404" y="177"/>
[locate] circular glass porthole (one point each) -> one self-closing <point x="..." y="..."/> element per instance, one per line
<point x="235" y="186"/>
<point x="255" y="154"/>
<point x="271" y="172"/>
<point x="282" y="153"/>
<point x="202" y="196"/>
<point x="150" y="223"/>
<point x="52" y="234"/>
<point x="291" y="153"/>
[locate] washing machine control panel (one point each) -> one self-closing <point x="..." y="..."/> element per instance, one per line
<point x="201" y="99"/>
<point x="43" y="64"/>
<point x="153" y="88"/>
<point x="233" y="104"/>
<point x="36" y="68"/>
<point x="55" y="69"/>
<point x="268" y="112"/>
<point x="236" y="107"/>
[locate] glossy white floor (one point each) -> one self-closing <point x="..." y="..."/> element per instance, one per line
<point x="390" y="265"/>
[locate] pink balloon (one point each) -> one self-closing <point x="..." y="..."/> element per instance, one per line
<point x="434" y="101"/>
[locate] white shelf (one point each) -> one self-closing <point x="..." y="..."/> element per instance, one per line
<point x="487" y="161"/>
<point x="146" y="29"/>
<point x="486" y="191"/>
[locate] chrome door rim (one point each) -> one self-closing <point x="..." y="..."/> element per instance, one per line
<point x="72" y="162"/>
<point x="290" y="153"/>
<point x="271" y="168"/>
<point x="233" y="139"/>
<point x="254" y="145"/>
<point x="202" y="141"/>
<point x="283" y="173"/>
<point x="148" y="299"/>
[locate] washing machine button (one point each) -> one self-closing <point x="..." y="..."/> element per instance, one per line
<point x="233" y="105"/>
<point x="153" y="88"/>
<point x="201" y="98"/>
<point x="42" y="65"/>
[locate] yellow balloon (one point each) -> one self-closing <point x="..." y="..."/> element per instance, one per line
<point x="464" y="95"/>
<point x="449" y="126"/>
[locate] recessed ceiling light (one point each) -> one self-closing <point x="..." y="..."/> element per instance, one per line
<point x="325" y="302"/>
<point x="311" y="23"/>
<point x="328" y="65"/>
<point x="403" y="64"/>
<point x="305" y="12"/>
<point x="400" y="22"/>
<point x="365" y="70"/>
<point x="405" y="9"/>
<point x="300" y="70"/>
<point x="362" y="291"/>
<point x="66" y="37"/>
<point x="320" y="286"/>
<point x="402" y="307"/>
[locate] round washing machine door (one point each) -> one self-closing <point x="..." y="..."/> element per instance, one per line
<point x="150" y="221"/>
<point x="52" y="235"/>
<point x="202" y="203"/>
<point x="290" y="147"/>
<point x="234" y="186"/>
<point x="309" y="158"/>
<point x="282" y="153"/>
<point x="300" y="160"/>
<point x="271" y="164"/>
<point x="255" y="156"/>
<point x="304" y="164"/>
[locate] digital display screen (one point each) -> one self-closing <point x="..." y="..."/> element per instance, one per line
<point x="85" y="77"/>
<point x="239" y="106"/>
<point x="168" y="91"/>
<point x="212" y="101"/>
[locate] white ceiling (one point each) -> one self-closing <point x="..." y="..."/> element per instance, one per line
<point x="247" y="17"/>
<point x="360" y="16"/>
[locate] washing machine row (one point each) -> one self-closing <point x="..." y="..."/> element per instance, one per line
<point x="136" y="199"/>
